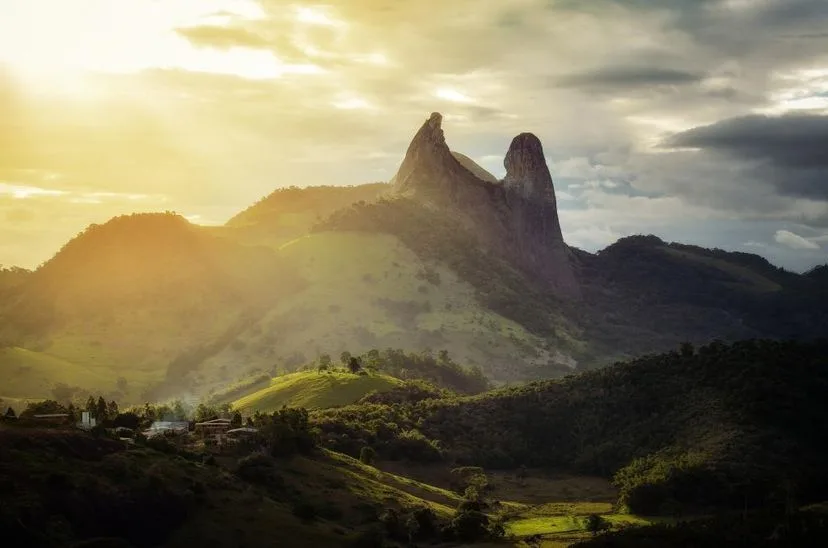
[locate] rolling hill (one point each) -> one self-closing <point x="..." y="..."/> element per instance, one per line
<point x="313" y="390"/>
<point x="724" y="427"/>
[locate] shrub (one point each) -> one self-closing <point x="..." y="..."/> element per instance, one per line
<point x="367" y="455"/>
<point x="470" y="526"/>
<point x="260" y="469"/>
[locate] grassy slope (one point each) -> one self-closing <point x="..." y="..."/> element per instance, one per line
<point x="313" y="390"/>
<point x="31" y="375"/>
<point x="354" y="281"/>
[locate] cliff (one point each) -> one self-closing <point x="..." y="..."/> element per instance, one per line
<point x="516" y="217"/>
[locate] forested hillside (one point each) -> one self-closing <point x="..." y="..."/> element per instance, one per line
<point x="723" y="426"/>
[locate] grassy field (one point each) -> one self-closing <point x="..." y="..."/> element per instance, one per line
<point x="314" y="390"/>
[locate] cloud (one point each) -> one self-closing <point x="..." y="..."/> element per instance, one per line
<point x="787" y="152"/>
<point x="610" y="79"/>
<point x="794" y="241"/>
<point x="222" y="36"/>
<point x="792" y="140"/>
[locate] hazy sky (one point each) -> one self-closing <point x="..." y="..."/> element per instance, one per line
<point x="701" y="121"/>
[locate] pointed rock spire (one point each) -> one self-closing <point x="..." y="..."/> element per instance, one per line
<point x="516" y="217"/>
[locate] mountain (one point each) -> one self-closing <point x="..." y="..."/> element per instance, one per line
<point x="517" y="218"/>
<point x="444" y="257"/>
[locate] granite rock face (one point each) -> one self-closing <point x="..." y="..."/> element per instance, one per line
<point x="516" y="217"/>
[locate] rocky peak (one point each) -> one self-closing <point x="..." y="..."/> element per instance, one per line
<point x="429" y="168"/>
<point x="526" y="170"/>
<point x="517" y="217"/>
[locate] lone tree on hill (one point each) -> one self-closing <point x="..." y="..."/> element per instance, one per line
<point x="354" y="366"/>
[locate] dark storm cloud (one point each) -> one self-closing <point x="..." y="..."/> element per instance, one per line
<point x="794" y="140"/>
<point x="611" y="78"/>
<point x="222" y="37"/>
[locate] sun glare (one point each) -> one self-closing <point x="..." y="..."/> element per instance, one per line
<point x="52" y="44"/>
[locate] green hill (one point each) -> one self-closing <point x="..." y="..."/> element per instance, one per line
<point x="314" y="390"/>
<point x="726" y="426"/>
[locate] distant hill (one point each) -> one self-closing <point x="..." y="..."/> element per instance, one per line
<point x="724" y="426"/>
<point x="129" y="298"/>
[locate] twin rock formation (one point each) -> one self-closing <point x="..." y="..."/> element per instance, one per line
<point x="517" y="216"/>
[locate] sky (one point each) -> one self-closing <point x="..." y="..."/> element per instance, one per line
<point x="699" y="121"/>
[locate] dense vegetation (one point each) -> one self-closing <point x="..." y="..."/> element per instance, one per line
<point x="441" y="370"/>
<point x="641" y="292"/>
<point x="725" y="426"/>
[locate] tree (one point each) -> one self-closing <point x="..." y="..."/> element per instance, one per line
<point x="178" y="410"/>
<point x="205" y="413"/>
<point x="686" y="349"/>
<point x="149" y="413"/>
<point x="101" y="409"/>
<point x="367" y="455"/>
<point x="354" y="366"/>
<point x="596" y="524"/>
<point x="470" y="526"/>
<point x="112" y="410"/>
<point x="286" y="432"/>
<point x="91" y="407"/>
<point x="345" y="358"/>
<point x="236" y="420"/>
<point x="324" y="362"/>
<point x="10" y="414"/>
<point x="127" y="420"/>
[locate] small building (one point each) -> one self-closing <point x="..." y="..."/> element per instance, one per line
<point x="87" y="421"/>
<point x="213" y="427"/>
<point x="52" y="418"/>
